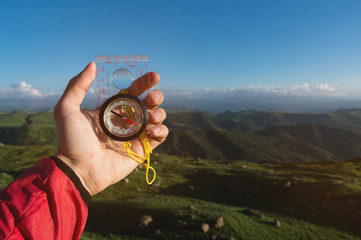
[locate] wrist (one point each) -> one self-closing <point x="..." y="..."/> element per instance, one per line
<point x="74" y="176"/>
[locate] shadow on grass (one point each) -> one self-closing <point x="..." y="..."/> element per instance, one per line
<point x="111" y="217"/>
<point x="321" y="202"/>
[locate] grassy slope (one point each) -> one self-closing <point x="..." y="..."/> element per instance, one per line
<point x="288" y="137"/>
<point x="311" y="200"/>
<point x="13" y="119"/>
<point x="239" y="145"/>
<point x="320" y="203"/>
<point x="15" y="159"/>
<point x="350" y="118"/>
<point x="23" y="129"/>
<point x="341" y="142"/>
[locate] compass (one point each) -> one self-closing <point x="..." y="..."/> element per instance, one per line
<point x="123" y="117"/>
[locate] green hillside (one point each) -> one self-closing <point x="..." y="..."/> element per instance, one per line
<point x="36" y="129"/>
<point x="13" y="119"/>
<point x="265" y="136"/>
<point x="310" y="200"/>
<point x="341" y="142"/>
<point x="248" y="136"/>
<point x="201" y="120"/>
<point x="238" y="145"/>
<point x="269" y="175"/>
<point x="350" y="119"/>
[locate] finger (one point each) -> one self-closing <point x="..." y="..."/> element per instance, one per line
<point x="153" y="99"/>
<point x="143" y="83"/>
<point x="78" y="86"/>
<point x="157" y="116"/>
<point x="157" y="134"/>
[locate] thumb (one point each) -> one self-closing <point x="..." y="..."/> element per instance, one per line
<point x="78" y="86"/>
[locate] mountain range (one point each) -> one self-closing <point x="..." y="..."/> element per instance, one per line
<point x="256" y="136"/>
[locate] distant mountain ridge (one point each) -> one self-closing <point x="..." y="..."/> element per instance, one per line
<point x="341" y="142"/>
<point x="256" y="136"/>
<point x="284" y="136"/>
<point x="345" y="118"/>
<point x="239" y="145"/>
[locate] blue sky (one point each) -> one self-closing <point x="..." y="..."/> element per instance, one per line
<point x="191" y="44"/>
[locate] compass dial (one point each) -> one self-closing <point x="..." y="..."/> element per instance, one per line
<point x="123" y="117"/>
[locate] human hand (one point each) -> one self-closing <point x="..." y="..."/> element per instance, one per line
<point x="78" y="132"/>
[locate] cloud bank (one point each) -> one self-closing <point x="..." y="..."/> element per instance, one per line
<point x="23" y="96"/>
<point x="300" y="90"/>
<point x="303" y="89"/>
<point x="302" y="97"/>
<point x="22" y="90"/>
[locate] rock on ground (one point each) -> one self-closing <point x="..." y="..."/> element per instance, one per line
<point x="145" y="220"/>
<point x="277" y="223"/>
<point x="219" y="222"/>
<point x="205" y="227"/>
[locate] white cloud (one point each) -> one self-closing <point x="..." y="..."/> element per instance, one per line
<point x="22" y="90"/>
<point x="303" y="89"/>
<point x="302" y="97"/>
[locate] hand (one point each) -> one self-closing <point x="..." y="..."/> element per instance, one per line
<point x="78" y="142"/>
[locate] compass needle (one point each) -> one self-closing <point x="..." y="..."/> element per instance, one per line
<point x="117" y="114"/>
<point x="126" y="119"/>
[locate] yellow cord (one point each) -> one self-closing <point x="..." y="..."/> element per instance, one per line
<point x="146" y="145"/>
<point x="145" y="160"/>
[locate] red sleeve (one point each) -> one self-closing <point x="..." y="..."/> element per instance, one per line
<point x="43" y="203"/>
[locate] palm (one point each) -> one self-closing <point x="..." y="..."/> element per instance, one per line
<point x="105" y="159"/>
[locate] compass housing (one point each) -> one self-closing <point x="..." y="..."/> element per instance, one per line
<point x="123" y="117"/>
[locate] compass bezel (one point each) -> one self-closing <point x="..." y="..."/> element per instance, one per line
<point x="111" y="100"/>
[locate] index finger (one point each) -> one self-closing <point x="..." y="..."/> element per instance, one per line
<point x="142" y="84"/>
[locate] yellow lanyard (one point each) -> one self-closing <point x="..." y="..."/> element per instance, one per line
<point x="146" y="145"/>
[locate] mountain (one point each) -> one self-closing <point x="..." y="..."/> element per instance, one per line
<point x="12" y="119"/>
<point x="239" y="145"/>
<point x="253" y="120"/>
<point x="221" y="100"/>
<point x="256" y="136"/>
<point x="341" y="142"/>
<point x="350" y="118"/>
<point x="283" y="136"/>
<point x="202" y="120"/>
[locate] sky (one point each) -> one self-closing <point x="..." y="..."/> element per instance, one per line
<point x="280" y="47"/>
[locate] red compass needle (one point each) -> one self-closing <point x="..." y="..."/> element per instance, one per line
<point x="126" y="119"/>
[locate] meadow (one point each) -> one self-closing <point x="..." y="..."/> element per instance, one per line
<point x="214" y="196"/>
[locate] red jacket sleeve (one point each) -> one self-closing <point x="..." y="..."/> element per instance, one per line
<point x="44" y="203"/>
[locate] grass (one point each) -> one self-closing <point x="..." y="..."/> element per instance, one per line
<point x="311" y="200"/>
<point x="13" y="119"/>
<point x="315" y="206"/>
<point x="16" y="159"/>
